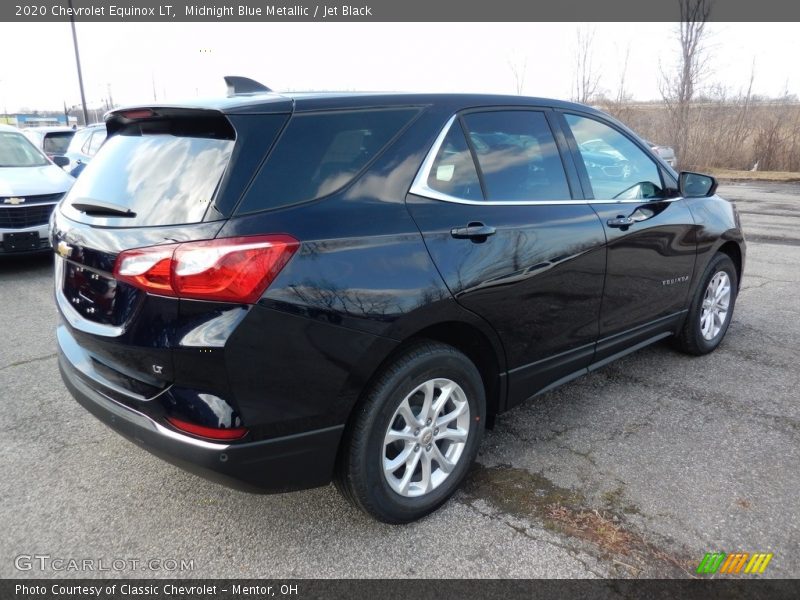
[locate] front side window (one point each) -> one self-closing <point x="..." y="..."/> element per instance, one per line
<point x="17" y="151"/>
<point x="517" y="156"/>
<point x="618" y="169"/>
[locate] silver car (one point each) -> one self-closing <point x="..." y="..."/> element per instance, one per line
<point x="30" y="187"/>
<point x="665" y="152"/>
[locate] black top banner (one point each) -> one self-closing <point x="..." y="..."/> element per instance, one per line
<point x="392" y="10"/>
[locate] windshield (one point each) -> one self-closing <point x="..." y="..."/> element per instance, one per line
<point x="17" y="151"/>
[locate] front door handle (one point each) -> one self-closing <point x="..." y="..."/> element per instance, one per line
<point x="477" y="232"/>
<point x="640" y="214"/>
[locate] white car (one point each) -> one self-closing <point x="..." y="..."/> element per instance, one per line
<point x="30" y="187"/>
<point x="53" y="141"/>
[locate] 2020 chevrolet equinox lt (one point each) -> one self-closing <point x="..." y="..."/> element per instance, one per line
<point x="279" y="290"/>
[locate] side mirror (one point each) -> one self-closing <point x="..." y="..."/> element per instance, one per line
<point x="61" y="161"/>
<point x="696" y="185"/>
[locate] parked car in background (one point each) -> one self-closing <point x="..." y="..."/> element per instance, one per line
<point x="30" y="187"/>
<point x="603" y="161"/>
<point x="53" y="141"/>
<point x="83" y="146"/>
<point x="278" y="290"/>
<point x="665" y="152"/>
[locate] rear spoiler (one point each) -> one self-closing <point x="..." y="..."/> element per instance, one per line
<point x="202" y="122"/>
<point x="238" y="86"/>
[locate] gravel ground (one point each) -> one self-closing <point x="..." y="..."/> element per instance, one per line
<point x="636" y="470"/>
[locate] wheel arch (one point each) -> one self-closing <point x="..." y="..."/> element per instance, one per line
<point x="733" y="251"/>
<point x="470" y="337"/>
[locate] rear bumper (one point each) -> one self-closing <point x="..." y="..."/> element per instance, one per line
<point x="277" y="465"/>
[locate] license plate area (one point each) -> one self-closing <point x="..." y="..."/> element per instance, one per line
<point x="91" y="294"/>
<point x="21" y="242"/>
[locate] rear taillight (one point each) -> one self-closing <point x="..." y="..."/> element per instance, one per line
<point x="214" y="433"/>
<point x="226" y="270"/>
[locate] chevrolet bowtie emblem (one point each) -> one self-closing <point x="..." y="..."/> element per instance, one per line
<point x="64" y="249"/>
<point x="13" y="200"/>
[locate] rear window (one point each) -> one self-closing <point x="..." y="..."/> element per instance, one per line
<point x="320" y="153"/>
<point x="57" y="142"/>
<point x="165" y="179"/>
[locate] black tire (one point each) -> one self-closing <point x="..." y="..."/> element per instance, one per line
<point x="360" y="476"/>
<point x="690" y="338"/>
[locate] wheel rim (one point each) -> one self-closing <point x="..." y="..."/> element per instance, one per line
<point x="426" y="437"/>
<point x="716" y="303"/>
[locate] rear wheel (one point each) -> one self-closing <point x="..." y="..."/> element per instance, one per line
<point x="415" y="435"/>
<point x="712" y="308"/>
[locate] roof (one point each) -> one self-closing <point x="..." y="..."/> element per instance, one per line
<point x="271" y="102"/>
<point x="49" y="129"/>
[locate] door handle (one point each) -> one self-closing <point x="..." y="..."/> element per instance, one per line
<point x="474" y="231"/>
<point x="640" y="214"/>
<point x="621" y="222"/>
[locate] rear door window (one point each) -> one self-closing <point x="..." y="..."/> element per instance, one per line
<point x="319" y="153"/>
<point x="517" y="156"/>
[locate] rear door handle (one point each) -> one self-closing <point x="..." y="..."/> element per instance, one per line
<point x="621" y="222"/>
<point x="473" y="231"/>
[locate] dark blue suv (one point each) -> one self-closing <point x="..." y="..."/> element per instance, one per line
<point x="279" y="290"/>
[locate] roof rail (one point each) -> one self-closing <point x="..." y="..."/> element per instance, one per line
<point x="244" y="85"/>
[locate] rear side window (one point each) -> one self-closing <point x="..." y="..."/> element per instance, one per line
<point x="517" y="156"/>
<point x="78" y="140"/>
<point x="453" y="172"/>
<point x="97" y="139"/>
<point x="320" y="153"/>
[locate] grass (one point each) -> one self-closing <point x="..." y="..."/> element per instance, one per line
<point x="730" y="174"/>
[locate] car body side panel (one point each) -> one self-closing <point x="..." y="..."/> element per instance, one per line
<point x="538" y="281"/>
<point x="716" y="223"/>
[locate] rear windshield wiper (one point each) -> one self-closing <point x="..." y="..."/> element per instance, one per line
<point x="98" y="208"/>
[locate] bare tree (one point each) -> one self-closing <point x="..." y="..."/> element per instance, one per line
<point x="620" y="105"/>
<point x="519" y="68"/>
<point x="678" y="88"/>
<point x="586" y="80"/>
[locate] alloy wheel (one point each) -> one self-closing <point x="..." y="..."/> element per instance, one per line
<point x="426" y="437"/>
<point x="715" y="305"/>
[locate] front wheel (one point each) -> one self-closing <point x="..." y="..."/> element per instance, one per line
<point x="415" y="434"/>
<point x="711" y="309"/>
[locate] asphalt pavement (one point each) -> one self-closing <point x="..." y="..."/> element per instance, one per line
<point x="636" y="470"/>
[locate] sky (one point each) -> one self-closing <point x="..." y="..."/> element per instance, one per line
<point x="135" y="62"/>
